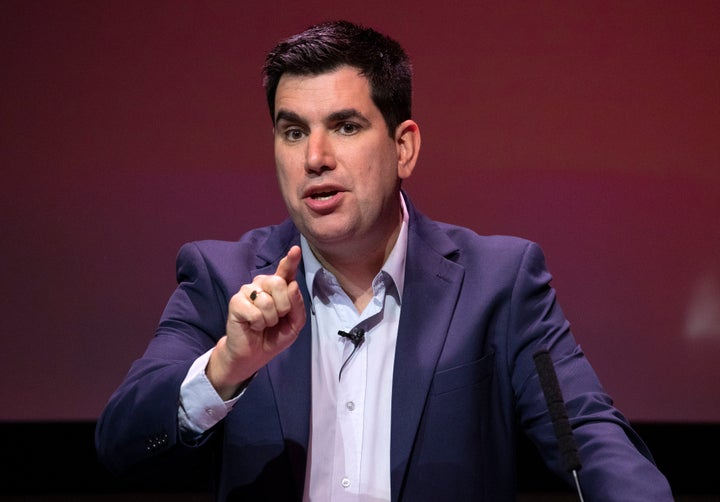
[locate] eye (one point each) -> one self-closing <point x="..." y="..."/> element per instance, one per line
<point x="293" y="134"/>
<point x="348" y="128"/>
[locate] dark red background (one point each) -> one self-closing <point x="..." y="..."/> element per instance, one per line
<point x="128" y="128"/>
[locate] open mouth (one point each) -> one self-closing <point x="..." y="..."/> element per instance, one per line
<point x="323" y="195"/>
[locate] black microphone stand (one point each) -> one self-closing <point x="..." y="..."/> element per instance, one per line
<point x="558" y="414"/>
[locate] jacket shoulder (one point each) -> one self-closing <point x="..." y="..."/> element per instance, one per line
<point x="258" y="246"/>
<point x="464" y="243"/>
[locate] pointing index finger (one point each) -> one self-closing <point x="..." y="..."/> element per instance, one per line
<point x="287" y="268"/>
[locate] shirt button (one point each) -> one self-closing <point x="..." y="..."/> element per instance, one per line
<point x="209" y="411"/>
<point x="345" y="482"/>
<point x="350" y="405"/>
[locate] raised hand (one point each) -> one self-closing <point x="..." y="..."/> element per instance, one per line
<point x="264" y="318"/>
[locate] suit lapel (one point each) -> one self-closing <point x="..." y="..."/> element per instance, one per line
<point x="432" y="285"/>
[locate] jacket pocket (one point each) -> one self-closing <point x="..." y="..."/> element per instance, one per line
<point x="465" y="375"/>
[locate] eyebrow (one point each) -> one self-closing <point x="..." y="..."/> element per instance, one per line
<point x="348" y="113"/>
<point x="288" y="116"/>
<point x="338" y="116"/>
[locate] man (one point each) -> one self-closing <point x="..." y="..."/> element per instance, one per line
<point x="360" y="351"/>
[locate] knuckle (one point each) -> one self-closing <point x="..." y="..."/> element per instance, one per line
<point x="260" y="279"/>
<point x="256" y="320"/>
<point x="276" y="281"/>
<point x="236" y="301"/>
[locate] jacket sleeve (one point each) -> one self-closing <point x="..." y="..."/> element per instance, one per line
<point x="139" y="424"/>
<point x="616" y="464"/>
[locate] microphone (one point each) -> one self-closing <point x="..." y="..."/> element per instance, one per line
<point x="558" y="414"/>
<point x="357" y="337"/>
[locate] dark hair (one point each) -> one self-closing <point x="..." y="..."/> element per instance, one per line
<point x="327" y="46"/>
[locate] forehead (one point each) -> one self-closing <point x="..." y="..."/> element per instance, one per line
<point x="342" y="88"/>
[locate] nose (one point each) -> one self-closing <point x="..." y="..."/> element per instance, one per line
<point x="319" y="156"/>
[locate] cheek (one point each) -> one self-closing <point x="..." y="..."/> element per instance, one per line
<point x="284" y="179"/>
<point x="286" y="165"/>
<point x="285" y="183"/>
<point x="377" y="159"/>
<point x="384" y="167"/>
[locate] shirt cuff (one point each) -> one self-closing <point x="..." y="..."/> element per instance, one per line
<point x="200" y="405"/>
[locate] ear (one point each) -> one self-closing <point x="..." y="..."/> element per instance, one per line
<point x="407" y="141"/>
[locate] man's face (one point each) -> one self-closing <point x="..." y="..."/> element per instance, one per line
<point x="336" y="163"/>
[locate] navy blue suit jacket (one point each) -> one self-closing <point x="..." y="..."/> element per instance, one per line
<point x="474" y="311"/>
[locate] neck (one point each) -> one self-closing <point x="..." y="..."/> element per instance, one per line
<point x="356" y="268"/>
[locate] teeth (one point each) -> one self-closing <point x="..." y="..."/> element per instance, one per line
<point x="322" y="196"/>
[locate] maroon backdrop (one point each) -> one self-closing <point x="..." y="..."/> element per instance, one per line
<point x="128" y="128"/>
